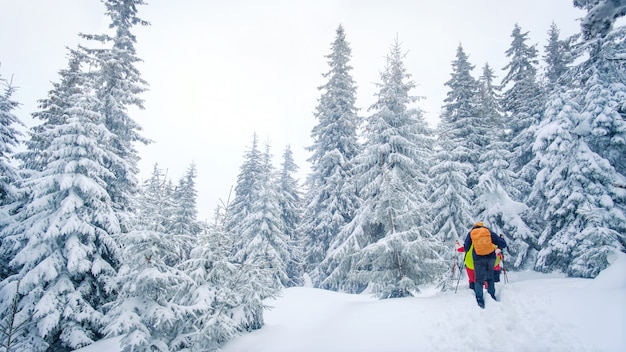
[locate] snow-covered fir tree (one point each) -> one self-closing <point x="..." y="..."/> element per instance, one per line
<point x="450" y="196"/>
<point x="584" y="220"/>
<point x="168" y="201"/>
<point x="497" y="194"/>
<point x="119" y="84"/>
<point x="246" y="188"/>
<point x="214" y="296"/>
<point x="262" y="244"/>
<point x="185" y="217"/>
<point x="52" y="108"/>
<point x="290" y="201"/>
<point x="582" y="194"/>
<point x="66" y="256"/>
<point x="523" y="101"/>
<point x="331" y="197"/>
<point x="149" y="309"/>
<point x="388" y="247"/>
<point x="604" y="110"/>
<point x="557" y="57"/>
<point x="8" y="141"/>
<point x="461" y="110"/>
<point x="9" y="177"/>
<point x="603" y="77"/>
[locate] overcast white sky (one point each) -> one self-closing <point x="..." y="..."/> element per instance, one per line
<point x="221" y="70"/>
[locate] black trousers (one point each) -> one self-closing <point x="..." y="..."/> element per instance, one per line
<point x="483" y="269"/>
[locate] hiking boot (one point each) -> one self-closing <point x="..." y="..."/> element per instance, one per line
<point x="493" y="295"/>
<point x="481" y="302"/>
<point x="471" y="285"/>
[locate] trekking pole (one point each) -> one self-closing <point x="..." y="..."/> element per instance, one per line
<point x="453" y="266"/>
<point x="460" y="274"/>
<point x="506" y="277"/>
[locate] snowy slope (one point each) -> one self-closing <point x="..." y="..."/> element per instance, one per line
<point x="536" y="312"/>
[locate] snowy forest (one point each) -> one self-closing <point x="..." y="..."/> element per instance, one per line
<point x="88" y="252"/>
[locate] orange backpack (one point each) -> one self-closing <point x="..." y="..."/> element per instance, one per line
<point x="481" y="239"/>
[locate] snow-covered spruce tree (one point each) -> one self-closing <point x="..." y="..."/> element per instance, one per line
<point x="331" y="198"/>
<point x="213" y="297"/>
<point x="8" y="141"/>
<point x="52" y="109"/>
<point x="497" y="194"/>
<point x="290" y="201"/>
<point x="388" y="247"/>
<point x="262" y="245"/>
<point x="224" y="298"/>
<point x="603" y="93"/>
<point x="67" y="257"/>
<point x="450" y="196"/>
<point x="185" y="217"/>
<point x="462" y="109"/>
<point x="603" y="78"/>
<point x="523" y="101"/>
<point x="52" y="112"/>
<point x="558" y="55"/>
<point x="168" y="201"/>
<point x="148" y="311"/>
<point x="577" y="186"/>
<point x="9" y="177"/>
<point x="246" y="189"/>
<point x="580" y="188"/>
<point x="119" y="84"/>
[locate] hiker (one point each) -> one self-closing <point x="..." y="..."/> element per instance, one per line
<point x="469" y="264"/>
<point x="483" y="253"/>
<point x="497" y="269"/>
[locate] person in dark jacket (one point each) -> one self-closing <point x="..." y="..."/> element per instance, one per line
<point x="482" y="240"/>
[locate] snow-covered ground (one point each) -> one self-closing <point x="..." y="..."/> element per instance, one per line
<point x="536" y="312"/>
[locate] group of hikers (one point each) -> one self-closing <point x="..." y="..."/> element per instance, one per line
<point x="483" y="255"/>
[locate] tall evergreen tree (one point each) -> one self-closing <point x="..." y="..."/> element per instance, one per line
<point x="584" y="220"/>
<point x="489" y="105"/>
<point x="119" y="85"/>
<point x="523" y="100"/>
<point x="8" y="141"/>
<point x="557" y="56"/>
<point x="185" y="217"/>
<point x="603" y="78"/>
<point x="9" y="177"/>
<point x="52" y="109"/>
<point x="246" y="189"/>
<point x="214" y="297"/>
<point x="449" y="183"/>
<point x="497" y="194"/>
<point x="148" y="309"/>
<point x="263" y="238"/>
<point x="388" y="245"/>
<point x="263" y="244"/>
<point x="66" y="256"/>
<point x="290" y="201"/>
<point x="605" y="112"/>
<point x="331" y="198"/>
<point x="579" y="188"/>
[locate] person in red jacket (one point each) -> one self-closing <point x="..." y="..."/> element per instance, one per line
<point x="469" y="264"/>
<point x="497" y="269"/>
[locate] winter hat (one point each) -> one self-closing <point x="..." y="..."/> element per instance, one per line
<point x="479" y="224"/>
